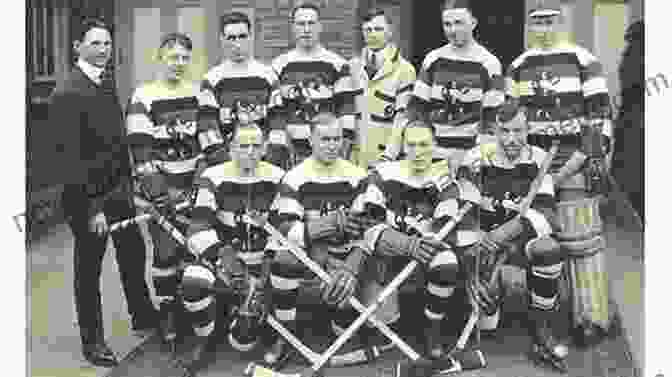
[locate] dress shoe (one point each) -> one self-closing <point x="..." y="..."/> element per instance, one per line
<point x="99" y="354"/>
<point x="144" y="326"/>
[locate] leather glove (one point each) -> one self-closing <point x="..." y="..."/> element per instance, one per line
<point x="496" y="240"/>
<point x="395" y="243"/>
<point x="343" y="283"/>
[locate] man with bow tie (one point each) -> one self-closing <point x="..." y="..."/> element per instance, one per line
<point x="390" y="82"/>
<point x="96" y="176"/>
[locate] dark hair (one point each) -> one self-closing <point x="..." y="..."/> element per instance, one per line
<point x="172" y="39"/>
<point x="234" y="18"/>
<point x="508" y="110"/>
<point x="456" y="4"/>
<point x="88" y="24"/>
<point x="305" y="5"/>
<point x="373" y="13"/>
<point x="323" y="118"/>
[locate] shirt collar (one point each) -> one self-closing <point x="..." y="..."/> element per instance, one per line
<point x="90" y="70"/>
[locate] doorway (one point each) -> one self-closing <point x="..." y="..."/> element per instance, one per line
<point x="501" y="28"/>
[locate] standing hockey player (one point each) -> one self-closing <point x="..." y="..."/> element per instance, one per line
<point x="564" y="88"/>
<point x="453" y="83"/>
<point x="504" y="171"/>
<point x="415" y="198"/>
<point x="389" y="85"/>
<point x="315" y="211"/>
<point x="312" y="79"/>
<point x="238" y="90"/>
<point x="162" y="134"/>
<point x="224" y="244"/>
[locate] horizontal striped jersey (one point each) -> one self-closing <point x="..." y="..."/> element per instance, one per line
<point x="223" y="197"/>
<point x="504" y="184"/>
<point x="232" y="93"/>
<point x="321" y="81"/>
<point x="161" y="126"/>
<point x="311" y="190"/>
<point x="450" y="89"/>
<point x="412" y="203"/>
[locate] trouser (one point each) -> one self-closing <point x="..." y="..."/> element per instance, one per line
<point x="89" y="250"/>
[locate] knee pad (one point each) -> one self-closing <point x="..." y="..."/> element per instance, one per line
<point x="544" y="251"/>
<point x="444" y="269"/>
<point x="197" y="282"/>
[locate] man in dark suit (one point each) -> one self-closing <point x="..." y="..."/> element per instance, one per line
<point x="96" y="172"/>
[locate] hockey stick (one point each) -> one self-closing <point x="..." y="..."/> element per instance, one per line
<point x="143" y="217"/>
<point x="323" y="275"/>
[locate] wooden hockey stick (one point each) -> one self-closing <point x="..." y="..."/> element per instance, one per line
<point x="143" y="217"/>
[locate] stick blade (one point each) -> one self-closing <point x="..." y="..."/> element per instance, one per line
<point x="256" y="370"/>
<point x="455" y="363"/>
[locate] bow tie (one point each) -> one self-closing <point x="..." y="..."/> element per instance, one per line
<point x="106" y="80"/>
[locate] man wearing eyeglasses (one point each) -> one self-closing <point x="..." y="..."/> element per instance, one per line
<point x="237" y="91"/>
<point x="312" y="80"/>
<point x="390" y="83"/>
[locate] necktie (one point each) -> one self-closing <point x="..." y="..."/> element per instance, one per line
<point x="372" y="65"/>
<point x="107" y="80"/>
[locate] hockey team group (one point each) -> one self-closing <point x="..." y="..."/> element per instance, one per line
<point x="481" y="181"/>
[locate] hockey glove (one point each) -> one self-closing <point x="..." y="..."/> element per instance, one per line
<point x="342" y="285"/>
<point x="394" y="243"/>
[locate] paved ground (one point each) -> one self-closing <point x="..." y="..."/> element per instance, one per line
<point x="54" y="350"/>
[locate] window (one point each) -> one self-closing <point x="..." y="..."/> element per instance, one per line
<point x="48" y="27"/>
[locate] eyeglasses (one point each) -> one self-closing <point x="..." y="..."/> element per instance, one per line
<point x="372" y="29"/>
<point x="234" y="37"/>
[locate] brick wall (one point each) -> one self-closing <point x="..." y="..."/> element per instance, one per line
<point x="272" y="29"/>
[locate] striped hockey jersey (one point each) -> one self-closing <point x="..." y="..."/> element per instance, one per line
<point x="161" y="125"/>
<point x="311" y="190"/>
<point x="426" y="202"/>
<point x="223" y="197"/>
<point x="308" y="84"/>
<point x="450" y="90"/>
<point x="503" y="184"/>
<point x="232" y="93"/>
<point x="559" y="87"/>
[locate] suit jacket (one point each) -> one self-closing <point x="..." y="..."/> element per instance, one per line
<point x="93" y="154"/>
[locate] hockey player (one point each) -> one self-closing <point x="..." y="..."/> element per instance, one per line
<point x="564" y="88"/>
<point x="162" y="133"/>
<point x="452" y="84"/>
<point x="225" y="245"/>
<point x="416" y="193"/>
<point x="237" y="90"/>
<point x="314" y="211"/>
<point x="389" y="85"/>
<point x="312" y="79"/>
<point x="504" y="171"/>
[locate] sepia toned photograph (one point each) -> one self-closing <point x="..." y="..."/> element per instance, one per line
<point x="335" y="188"/>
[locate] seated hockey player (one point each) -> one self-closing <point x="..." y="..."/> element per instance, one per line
<point x="417" y="191"/>
<point x="314" y="212"/>
<point x="504" y="172"/>
<point x="225" y="245"/>
<point x="162" y="134"/>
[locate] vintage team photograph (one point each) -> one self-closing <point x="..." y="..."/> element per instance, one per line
<point x="335" y="188"/>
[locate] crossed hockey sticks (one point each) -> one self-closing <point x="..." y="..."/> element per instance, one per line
<point x="471" y="196"/>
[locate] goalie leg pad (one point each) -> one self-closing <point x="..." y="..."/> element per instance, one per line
<point x="581" y="235"/>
